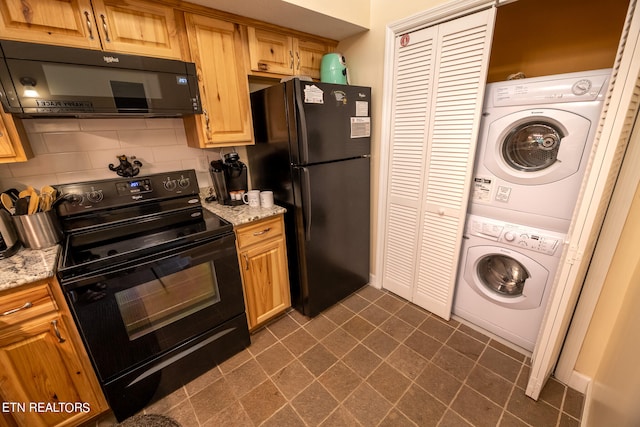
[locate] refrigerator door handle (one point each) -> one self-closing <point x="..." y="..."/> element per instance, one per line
<point x="306" y="202"/>
<point x="303" y="141"/>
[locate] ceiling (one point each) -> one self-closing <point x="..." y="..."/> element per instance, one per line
<point x="287" y="15"/>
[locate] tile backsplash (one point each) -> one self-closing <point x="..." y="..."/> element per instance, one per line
<point x="73" y="150"/>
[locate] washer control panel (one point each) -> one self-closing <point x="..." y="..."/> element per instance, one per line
<point x="521" y="236"/>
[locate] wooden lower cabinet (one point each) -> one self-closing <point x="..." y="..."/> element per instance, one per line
<point x="262" y="254"/>
<point x="46" y="378"/>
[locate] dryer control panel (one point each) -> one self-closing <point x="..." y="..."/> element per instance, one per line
<point x="521" y="236"/>
<point x="570" y="87"/>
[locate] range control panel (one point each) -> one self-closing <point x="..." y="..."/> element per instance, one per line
<point x="547" y="242"/>
<point x="118" y="192"/>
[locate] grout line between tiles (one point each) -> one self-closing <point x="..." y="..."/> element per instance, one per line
<point x="404" y="315"/>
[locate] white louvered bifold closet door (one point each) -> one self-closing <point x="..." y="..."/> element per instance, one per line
<point x="412" y="96"/>
<point x="438" y="94"/>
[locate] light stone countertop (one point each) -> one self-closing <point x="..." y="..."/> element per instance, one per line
<point x="28" y="266"/>
<point x="242" y="214"/>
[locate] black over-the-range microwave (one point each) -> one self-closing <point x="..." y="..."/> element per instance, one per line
<point x="42" y="80"/>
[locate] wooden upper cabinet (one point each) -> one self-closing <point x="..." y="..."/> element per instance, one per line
<point x="14" y="144"/>
<point x="216" y="49"/>
<point x="59" y="22"/>
<point x="309" y="55"/>
<point x="280" y="53"/>
<point x="143" y="28"/>
<point x="127" y="26"/>
<point x="270" y="52"/>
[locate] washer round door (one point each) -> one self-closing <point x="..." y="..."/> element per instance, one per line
<point x="535" y="147"/>
<point x="505" y="277"/>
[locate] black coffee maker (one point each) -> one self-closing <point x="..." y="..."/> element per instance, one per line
<point x="229" y="177"/>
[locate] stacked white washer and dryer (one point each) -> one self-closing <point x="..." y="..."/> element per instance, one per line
<point x="534" y="144"/>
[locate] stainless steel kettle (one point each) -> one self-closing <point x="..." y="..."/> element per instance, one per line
<point x="9" y="243"/>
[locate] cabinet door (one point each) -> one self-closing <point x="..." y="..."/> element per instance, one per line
<point x="270" y="52"/>
<point x="135" y="27"/>
<point x="216" y="49"/>
<point x="308" y="57"/>
<point x="438" y="94"/>
<point x="266" y="281"/>
<point x="59" y="22"/>
<point x="38" y="364"/>
<point x="14" y="145"/>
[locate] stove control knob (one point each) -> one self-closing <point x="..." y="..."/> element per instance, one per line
<point x="170" y="184"/>
<point x="74" y="199"/>
<point x="95" y="196"/>
<point x="184" y="182"/>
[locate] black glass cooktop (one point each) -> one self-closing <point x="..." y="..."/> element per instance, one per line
<point x="107" y="247"/>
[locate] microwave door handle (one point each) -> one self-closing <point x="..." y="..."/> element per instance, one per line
<point x="306" y="202"/>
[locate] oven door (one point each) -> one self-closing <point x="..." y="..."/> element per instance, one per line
<point x="137" y="312"/>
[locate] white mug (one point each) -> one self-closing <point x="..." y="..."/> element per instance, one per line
<point x="252" y="198"/>
<point x="266" y="199"/>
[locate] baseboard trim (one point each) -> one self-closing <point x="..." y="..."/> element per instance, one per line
<point x="373" y="282"/>
<point x="579" y="382"/>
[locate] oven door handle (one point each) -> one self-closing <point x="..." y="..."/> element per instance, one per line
<point x="180" y="355"/>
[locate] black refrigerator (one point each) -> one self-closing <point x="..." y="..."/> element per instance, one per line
<point x="312" y="149"/>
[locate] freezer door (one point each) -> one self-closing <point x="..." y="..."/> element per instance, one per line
<point x="333" y="241"/>
<point x="333" y="121"/>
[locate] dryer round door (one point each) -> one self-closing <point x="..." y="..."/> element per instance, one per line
<point x="505" y="277"/>
<point x="535" y="147"/>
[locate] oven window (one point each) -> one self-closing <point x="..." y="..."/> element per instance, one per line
<point x="167" y="298"/>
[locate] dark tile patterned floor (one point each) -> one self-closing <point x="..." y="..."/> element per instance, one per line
<point x="371" y="360"/>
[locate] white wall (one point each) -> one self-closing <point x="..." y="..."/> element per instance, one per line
<point x="613" y="336"/>
<point x="354" y="11"/>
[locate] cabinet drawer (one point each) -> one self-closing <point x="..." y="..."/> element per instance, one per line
<point x="254" y="233"/>
<point x="22" y="305"/>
